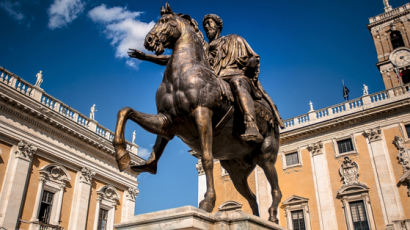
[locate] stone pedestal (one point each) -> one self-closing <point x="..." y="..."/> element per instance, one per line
<point x="191" y="218"/>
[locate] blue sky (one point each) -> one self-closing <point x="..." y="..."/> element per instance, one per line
<point x="306" y="49"/>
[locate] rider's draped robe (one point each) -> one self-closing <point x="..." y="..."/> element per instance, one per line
<point x="228" y="56"/>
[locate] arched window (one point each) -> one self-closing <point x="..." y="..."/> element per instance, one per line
<point x="396" y="39"/>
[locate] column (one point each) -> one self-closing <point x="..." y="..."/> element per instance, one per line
<point x="79" y="208"/>
<point x="128" y="206"/>
<point x="382" y="168"/>
<point x="14" y="187"/>
<point x="323" y="189"/>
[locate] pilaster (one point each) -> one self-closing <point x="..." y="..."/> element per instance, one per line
<point x="128" y="206"/>
<point x="389" y="196"/>
<point x="323" y="189"/>
<point x="14" y="187"/>
<point x="81" y="198"/>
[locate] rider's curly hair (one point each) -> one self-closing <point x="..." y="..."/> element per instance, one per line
<point x="214" y="17"/>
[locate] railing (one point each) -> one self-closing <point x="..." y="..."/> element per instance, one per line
<point x="44" y="226"/>
<point x="15" y="82"/>
<point x="348" y="107"/>
<point x="391" y="13"/>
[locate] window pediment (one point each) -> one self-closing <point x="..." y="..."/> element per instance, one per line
<point x="293" y="200"/>
<point x="352" y="189"/>
<point x="55" y="173"/>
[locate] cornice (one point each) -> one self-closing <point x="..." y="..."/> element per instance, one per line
<point x="380" y="112"/>
<point x="35" y="111"/>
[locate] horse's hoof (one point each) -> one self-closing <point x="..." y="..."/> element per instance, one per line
<point x="204" y="205"/>
<point x="274" y="220"/>
<point x="151" y="168"/>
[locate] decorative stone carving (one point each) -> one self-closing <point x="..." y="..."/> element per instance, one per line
<point x="55" y="173"/>
<point x="349" y="171"/>
<point x="132" y="193"/>
<point x="404" y="160"/>
<point x="230" y="206"/>
<point x="86" y="175"/>
<point x="199" y="167"/>
<point x="108" y="193"/>
<point x="315" y="148"/>
<point x="373" y="134"/>
<point x="25" y="151"/>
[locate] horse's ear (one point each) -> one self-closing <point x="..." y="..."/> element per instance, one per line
<point x="166" y="10"/>
<point x="162" y="10"/>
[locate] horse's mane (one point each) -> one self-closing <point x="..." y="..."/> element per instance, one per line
<point x="197" y="31"/>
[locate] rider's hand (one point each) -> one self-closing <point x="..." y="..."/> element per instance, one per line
<point x="134" y="53"/>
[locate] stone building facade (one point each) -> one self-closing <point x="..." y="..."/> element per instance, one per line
<point x="57" y="168"/>
<point x="345" y="166"/>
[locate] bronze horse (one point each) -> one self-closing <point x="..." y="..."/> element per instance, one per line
<point x="192" y="105"/>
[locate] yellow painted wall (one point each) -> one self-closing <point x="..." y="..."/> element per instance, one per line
<point x="335" y="181"/>
<point x="67" y="200"/>
<point x="31" y="194"/>
<point x="4" y="160"/>
<point x="118" y="208"/>
<point x="97" y="185"/>
<point x="225" y="190"/>
<point x="93" y="204"/>
<point x="298" y="181"/>
<point x="389" y="135"/>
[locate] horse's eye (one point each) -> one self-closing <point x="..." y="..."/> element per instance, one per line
<point x="162" y="20"/>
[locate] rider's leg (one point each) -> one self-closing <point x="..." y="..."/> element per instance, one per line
<point x="242" y="89"/>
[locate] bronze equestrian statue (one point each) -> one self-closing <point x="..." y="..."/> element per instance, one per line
<point x="196" y="105"/>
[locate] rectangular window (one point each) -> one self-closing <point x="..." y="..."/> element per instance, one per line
<point x="359" y="216"/>
<point x="102" y="219"/>
<point x="407" y="130"/>
<point x="298" y="220"/>
<point x="292" y="159"/>
<point x="45" y="207"/>
<point x="345" y="145"/>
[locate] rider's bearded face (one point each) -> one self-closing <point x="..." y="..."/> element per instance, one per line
<point x="211" y="29"/>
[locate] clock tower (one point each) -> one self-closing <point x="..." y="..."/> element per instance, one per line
<point x="391" y="34"/>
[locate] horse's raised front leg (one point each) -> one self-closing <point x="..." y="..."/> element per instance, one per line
<point x="203" y="119"/>
<point x="153" y="123"/>
<point x="157" y="150"/>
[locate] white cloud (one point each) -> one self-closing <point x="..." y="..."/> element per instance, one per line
<point x="122" y="28"/>
<point x="62" y="12"/>
<point x="143" y="152"/>
<point x="12" y="8"/>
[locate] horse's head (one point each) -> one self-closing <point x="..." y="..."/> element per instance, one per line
<point x="165" y="32"/>
<point x="168" y="29"/>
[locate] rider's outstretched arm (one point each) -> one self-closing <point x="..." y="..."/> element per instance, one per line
<point x="157" y="59"/>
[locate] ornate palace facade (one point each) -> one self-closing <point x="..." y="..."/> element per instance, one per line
<point x="346" y="166"/>
<point x="57" y="169"/>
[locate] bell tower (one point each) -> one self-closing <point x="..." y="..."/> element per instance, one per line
<point x="391" y="34"/>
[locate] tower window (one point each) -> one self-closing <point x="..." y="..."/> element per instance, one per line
<point x="45" y="207"/>
<point x="396" y="39"/>
<point x="405" y="76"/>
